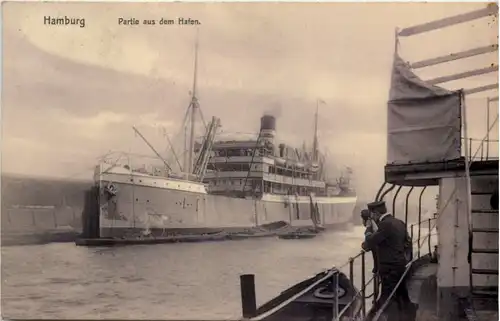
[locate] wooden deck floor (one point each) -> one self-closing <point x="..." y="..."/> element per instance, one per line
<point x="487" y="315"/>
<point x="427" y="305"/>
<point x="416" y="280"/>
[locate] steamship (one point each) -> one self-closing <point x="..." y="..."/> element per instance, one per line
<point x="223" y="186"/>
<point x="234" y="186"/>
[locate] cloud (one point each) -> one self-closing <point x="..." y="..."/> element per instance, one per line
<point x="71" y="94"/>
<point x="97" y="126"/>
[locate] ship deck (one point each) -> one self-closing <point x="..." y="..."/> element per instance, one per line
<point x="422" y="290"/>
<point x="429" y="174"/>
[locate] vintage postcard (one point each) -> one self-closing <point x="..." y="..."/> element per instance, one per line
<point x="181" y="161"/>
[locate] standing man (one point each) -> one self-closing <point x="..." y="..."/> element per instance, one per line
<point x="390" y="242"/>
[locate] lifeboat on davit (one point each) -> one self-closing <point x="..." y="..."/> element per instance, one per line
<point x="314" y="166"/>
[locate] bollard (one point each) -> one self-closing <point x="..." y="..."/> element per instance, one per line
<point x="248" y="299"/>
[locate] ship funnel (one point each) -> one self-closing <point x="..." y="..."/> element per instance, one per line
<point x="268" y="128"/>
<point x="268" y="122"/>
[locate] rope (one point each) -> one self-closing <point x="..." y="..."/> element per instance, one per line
<point x="358" y="294"/>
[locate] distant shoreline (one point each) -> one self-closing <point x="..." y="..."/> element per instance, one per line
<point x="42" y="177"/>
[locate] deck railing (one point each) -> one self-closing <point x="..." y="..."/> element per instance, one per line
<point x="485" y="148"/>
<point x="373" y="280"/>
<point x="353" y="310"/>
<point x="482" y="149"/>
<point x="418" y="241"/>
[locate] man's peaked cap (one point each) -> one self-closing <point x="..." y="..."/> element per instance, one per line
<point x="378" y="207"/>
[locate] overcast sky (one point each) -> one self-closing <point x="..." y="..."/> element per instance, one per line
<point x="70" y="94"/>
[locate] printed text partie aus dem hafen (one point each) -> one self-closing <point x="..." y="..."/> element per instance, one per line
<point x="162" y="21"/>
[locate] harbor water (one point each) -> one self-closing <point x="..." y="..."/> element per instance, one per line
<point x="166" y="281"/>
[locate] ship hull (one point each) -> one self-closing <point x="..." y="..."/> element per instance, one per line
<point x="145" y="207"/>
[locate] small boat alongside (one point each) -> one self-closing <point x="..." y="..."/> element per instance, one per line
<point x="311" y="299"/>
<point x="284" y="232"/>
<point x="298" y="235"/>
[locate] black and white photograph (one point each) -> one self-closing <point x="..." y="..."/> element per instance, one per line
<point x="249" y="161"/>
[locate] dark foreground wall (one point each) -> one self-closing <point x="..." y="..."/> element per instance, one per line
<point x="38" y="210"/>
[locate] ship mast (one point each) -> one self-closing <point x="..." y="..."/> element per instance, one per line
<point x="194" y="107"/>
<point x="315" y="141"/>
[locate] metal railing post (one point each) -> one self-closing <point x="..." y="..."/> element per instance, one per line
<point x="429" y="237"/>
<point x="406" y="205"/>
<point x="375" y="288"/>
<point x="351" y="278"/>
<point x="487" y="127"/>
<point x="335" y="295"/>
<point x="411" y="237"/>
<point x="419" y="219"/>
<point x="470" y="149"/>
<point x="363" y="281"/>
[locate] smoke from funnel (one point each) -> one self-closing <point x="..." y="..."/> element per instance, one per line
<point x="274" y="110"/>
